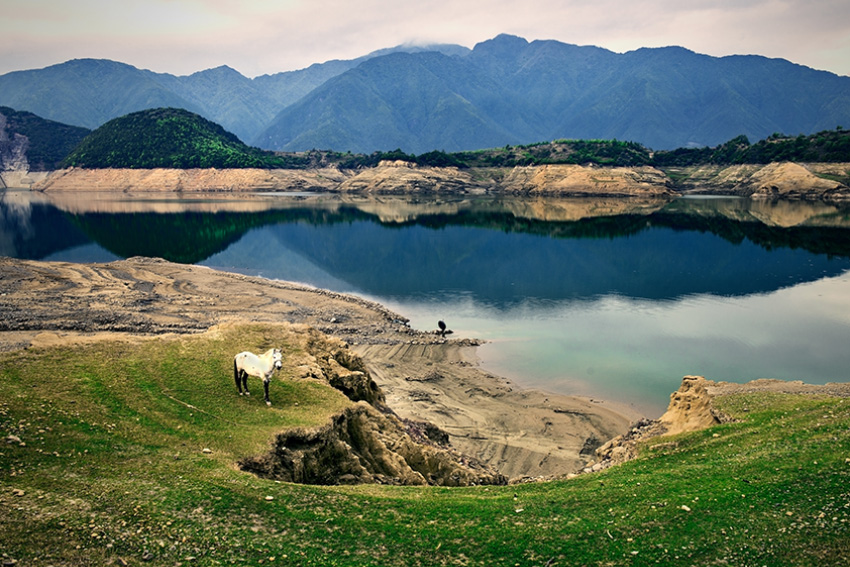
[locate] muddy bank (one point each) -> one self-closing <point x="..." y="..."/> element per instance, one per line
<point x="424" y="377"/>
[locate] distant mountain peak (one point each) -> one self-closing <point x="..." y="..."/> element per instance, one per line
<point x="508" y="38"/>
<point x="222" y="71"/>
<point x="92" y="63"/>
<point x="666" y="50"/>
<point x="419" y="47"/>
<point x="502" y="42"/>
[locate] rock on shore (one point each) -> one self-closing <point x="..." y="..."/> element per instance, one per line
<point x="691" y="408"/>
<point x="785" y="180"/>
<point x="362" y="445"/>
<point x="587" y="180"/>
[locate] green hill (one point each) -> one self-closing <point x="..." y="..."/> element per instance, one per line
<point x="104" y="463"/>
<point x="828" y="146"/>
<point x="168" y="137"/>
<point x="176" y="138"/>
<point x="47" y="142"/>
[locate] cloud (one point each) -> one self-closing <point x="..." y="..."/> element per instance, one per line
<point x="268" y="36"/>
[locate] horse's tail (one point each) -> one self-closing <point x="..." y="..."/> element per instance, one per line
<point x="236" y="374"/>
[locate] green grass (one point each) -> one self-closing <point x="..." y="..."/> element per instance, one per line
<point x="113" y="470"/>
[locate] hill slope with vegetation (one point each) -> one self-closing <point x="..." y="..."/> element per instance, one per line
<point x="169" y="138"/>
<point x="829" y="146"/>
<point x="34" y="143"/>
<point x="174" y="138"/>
<point x="125" y="454"/>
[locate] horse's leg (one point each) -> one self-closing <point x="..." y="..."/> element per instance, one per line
<point x="266" y="388"/>
<point x="245" y="383"/>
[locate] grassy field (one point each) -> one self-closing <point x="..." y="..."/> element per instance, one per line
<point x="103" y="462"/>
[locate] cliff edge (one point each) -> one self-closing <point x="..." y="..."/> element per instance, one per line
<point x="691" y="408"/>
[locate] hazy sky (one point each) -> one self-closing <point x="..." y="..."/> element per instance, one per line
<point x="257" y="37"/>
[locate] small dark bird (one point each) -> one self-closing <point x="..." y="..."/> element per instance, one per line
<point x="442" y="327"/>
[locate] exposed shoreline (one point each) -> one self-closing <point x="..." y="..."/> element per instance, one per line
<point x="785" y="180"/>
<point x="522" y="433"/>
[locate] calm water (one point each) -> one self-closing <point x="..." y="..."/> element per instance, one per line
<point x="611" y="299"/>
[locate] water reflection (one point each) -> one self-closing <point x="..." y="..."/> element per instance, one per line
<point x="636" y="350"/>
<point x="614" y="298"/>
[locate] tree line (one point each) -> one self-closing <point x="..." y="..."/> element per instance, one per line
<point x="175" y="138"/>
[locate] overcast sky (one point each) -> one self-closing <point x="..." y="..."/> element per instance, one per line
<point x="258" y="37"/>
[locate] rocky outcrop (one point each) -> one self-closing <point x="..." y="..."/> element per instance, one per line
<point x="405" y="177"/>
<point x="191" y="180"/>
<point x="772" y="181"/>
<point x="13" y="149"/>
<point x="363" y="445"/>
<point x="690" y="409"/>
<point x="587" y="180"/>
<point x="624" y="447"/>
<point x="367" y="442"/>
<point x="388" y="177"/>
<point x="14" y="166"/>
<point x="331" y="360"/>
<point x="13" y="156"/>
<point x="712" y="179"/>
<point x="793" y="181"/>
<point x="784" y="180"/>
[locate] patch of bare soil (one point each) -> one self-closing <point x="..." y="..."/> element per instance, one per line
<point x="520" y="432"/>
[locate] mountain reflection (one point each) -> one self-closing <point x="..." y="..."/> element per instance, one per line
<point x="500" y="250"/>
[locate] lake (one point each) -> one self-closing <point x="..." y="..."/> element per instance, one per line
<point x="609" y="298"/>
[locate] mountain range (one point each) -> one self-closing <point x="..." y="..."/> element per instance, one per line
<point x="504" y="91"/>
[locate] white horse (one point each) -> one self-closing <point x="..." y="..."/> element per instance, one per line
<point x="262" y="366"/>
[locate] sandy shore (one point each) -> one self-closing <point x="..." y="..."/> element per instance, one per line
<point x="520" y="432"/>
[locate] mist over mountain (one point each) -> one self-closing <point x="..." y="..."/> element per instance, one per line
<point x="504" y="91"/>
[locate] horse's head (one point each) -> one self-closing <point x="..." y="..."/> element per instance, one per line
<point x="277" y="358"/>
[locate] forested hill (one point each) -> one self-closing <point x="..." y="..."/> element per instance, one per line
<point x="176" y="138"/>
<point x="29" y="142"/>
<point x="169" y="138"/>
<point x="831" y="146"/>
